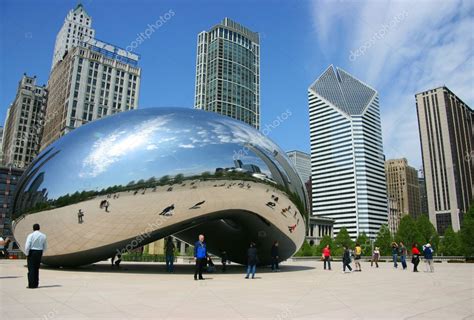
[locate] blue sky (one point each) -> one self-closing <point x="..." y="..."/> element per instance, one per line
<point x="397" y="47"/>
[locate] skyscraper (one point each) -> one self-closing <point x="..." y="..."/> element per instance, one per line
<point x="228" y="72"/>
<point x="446" y="133"/>
<point x="403" y="186"/>
<point x="77" y="25"/>
<point x="23" y="124"/>
<point x="94" y="79"/>
<point x="347" y="162"/>
<point x="302" y="163"/>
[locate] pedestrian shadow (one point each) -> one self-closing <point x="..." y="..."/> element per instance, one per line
<point x="50" y="286"/>
<point x="179" y="269"/>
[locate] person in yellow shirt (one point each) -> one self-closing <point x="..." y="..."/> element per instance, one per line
<point x="357" y="253"/>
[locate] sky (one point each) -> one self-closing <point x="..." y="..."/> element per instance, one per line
<point x="398" y="48"/>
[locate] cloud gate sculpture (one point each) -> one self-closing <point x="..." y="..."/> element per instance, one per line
<point x="135" y="177"/>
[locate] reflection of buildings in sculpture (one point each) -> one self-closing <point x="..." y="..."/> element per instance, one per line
<point x="23" y="124"/>
<point x="34" y="193"/>
<point x="446" y="127"/>
<point x="228" y="72"/>
<point x="247" y="167"/>
<point x="92" y="80"/>
<point x="8" y="181"/>
<point x="302" y="163"/>
<point x="318" y="228"/>
<point x="347" y="153"/>
<point x="394" y="215"/>
<point x="403" y="186"/>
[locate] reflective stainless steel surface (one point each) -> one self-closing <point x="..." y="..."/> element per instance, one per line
<point x="141" y="175"/>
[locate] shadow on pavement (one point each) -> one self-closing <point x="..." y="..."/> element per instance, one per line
<point x="157" y="268"/>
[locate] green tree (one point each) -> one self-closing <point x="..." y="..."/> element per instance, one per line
<point x="467" y="233"/>
<point x="450" y="245"/>
<point x="364" y="242"/>
<point x="342" y="239"/>
<point x="408" y="232"/>
<point x="326" y="240"/>
<point x="427" y="231"/>
<point x="384" y="240"/>
<point x="305" y="251"/>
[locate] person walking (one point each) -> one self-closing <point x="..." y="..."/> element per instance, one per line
<point x="415" y="257"/>
<point x="169" y="252"/>
<point x="403" y="255"/>
<point x="395" y="254"/>
<point x="358" y="254"/>
<point x="275" y="257"/>
<point x="346" y="260"/>
<point x="80" y="215"/>
<point x="252" y="260"/>
<point x="224" y="260"/>
<point x="327" y="257"/>
<point x="200" y="256"/>
<point x="428" y="255"/>
<point x="35" y="245"/>
<point x="375" y="257"/>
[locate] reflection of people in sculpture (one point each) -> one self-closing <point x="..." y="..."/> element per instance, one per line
<point x="270" y="204"/>
<point x="196" y="206"/>
<point x="106" y="205"/>
<point x="117" y="256"/>
<point x="167" y="211"/>
<point x="292" y="228"/>
<point x="80" y="214"/>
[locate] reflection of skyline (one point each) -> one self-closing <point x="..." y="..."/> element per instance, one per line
<point x="129" y="147"/>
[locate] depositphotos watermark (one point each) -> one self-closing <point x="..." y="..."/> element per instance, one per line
<point x="269" y="127"/>
<point x="379" y="35"/>
<point x="148" y="32"/>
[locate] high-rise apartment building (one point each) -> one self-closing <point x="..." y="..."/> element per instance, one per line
<point x="94" y="79"/>
<point x="23" y="124"/>
<point x="447" y="141"/>
<point x="302" y="163"/>
<point x="347" y="161"/>
<point x="77" y="26"/>
<point x="423" y="196"/>
<point x="228" y="72"/>
<point x="403" y="186"/>
<point x="9" y="177"/>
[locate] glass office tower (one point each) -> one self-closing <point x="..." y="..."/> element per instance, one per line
<point x="228" y="72"/>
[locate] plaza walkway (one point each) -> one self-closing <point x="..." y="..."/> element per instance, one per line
<point x="302" y="290"/>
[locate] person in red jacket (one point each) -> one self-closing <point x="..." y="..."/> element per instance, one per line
<point x="415" y="257"/>
<point x="327" y="257"/>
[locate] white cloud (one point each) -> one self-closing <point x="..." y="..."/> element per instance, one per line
<point x="432" y="46"/>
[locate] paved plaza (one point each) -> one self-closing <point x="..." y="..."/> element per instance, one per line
<point x="302" y="290"/>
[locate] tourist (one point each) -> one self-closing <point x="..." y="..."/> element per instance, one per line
<point x="118" y="260"/>
<point x="4" y="247"/>
<point x="375" y="257"/>
<point x="224" y="260"/>
<point x="327" y="257"/>
<point x="358" y="253"/>
<point x="252" y="260"/>
<point x="35" y="245"/>
<point x="275" y="257"/>
<point x="403" y="255"/>
<point x="169" y="252"/>
<point x="346" y="260"/>
<point x="428" y="255"/>
<point x="80" y="215"/>
<point x="415" y="257"/>
<point x="200" y="256"/>
<point x="395" y="254"/>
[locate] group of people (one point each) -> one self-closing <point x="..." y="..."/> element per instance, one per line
<point x="398" y="250"/>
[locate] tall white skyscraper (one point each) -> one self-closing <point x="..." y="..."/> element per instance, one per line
<point x="77" y="26"/>
<point x="347" y="161"/>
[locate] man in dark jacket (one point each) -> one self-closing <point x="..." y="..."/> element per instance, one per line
<point x="200" y="256"/>
<point x="252" y="260"/>
<point x="346" y="260"/>
<point x="169" y="252"/>
<point x="275" y="256"/>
